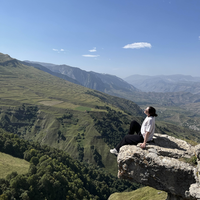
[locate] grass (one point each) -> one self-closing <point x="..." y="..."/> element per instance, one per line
<point x="50" y="103"/>
<point x="184" y="133"/>
<point x="9" y="164"/>
<point x="81" y="108"/>
<point x="34" y="86"/>
<point x="192" y="161"/>
<point x="145" y="193"/>
<point x="39" y="87"/>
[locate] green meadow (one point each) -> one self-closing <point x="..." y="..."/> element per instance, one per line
<point x="9" y="164"/>
<point x="145" y="193"/>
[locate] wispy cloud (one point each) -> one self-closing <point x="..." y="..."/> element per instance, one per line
<point x="57" y="50"/>
<point x="90" y="56"/>
<point x="93" y="50"/>
<point x="137" y="45"/>
<point x="199" y="37"/>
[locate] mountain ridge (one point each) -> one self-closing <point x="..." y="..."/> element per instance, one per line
<point x="165" y="83"/>
<point x="92" y="80"/>
<point x="160" y="91"/>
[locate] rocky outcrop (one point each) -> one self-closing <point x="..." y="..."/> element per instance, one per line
<point x="164" y="165"/>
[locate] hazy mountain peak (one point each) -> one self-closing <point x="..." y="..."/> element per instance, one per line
<point x="103" y="82"/>
<point x="165" y="83"/>
<point x="5" y="57"/>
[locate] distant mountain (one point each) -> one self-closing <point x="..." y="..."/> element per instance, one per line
<point x="174" y="90"/>
<point x="101" y="82"/>
<point x="5" y="57"/>
<point x="45" y="69"/>
<point x="170" y="83"/>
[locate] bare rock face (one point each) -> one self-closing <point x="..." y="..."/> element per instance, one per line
<point x="159" y="166"/>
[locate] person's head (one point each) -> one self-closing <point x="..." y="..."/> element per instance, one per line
<point x="150" y="111"/>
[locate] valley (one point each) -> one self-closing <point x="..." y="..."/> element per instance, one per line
<point x="175" y="94"/>
<point x="84" y="122"/>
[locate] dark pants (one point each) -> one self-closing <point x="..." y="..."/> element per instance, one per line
<point x="131" y="138"/>
<point x="134" y="127"/>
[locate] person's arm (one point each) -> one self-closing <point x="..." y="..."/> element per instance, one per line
<point x="143" y="145"/>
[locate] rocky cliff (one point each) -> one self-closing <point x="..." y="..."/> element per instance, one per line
<point x="166" y="164"/>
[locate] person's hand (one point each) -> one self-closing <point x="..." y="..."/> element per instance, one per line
<point x="143" y="145"/>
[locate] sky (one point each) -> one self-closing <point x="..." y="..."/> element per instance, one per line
<point x="117" y="37"/>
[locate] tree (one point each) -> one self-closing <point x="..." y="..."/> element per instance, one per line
<point x="3" y="197"/>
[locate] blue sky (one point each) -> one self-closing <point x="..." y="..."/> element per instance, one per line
<point x="118" y="37"/>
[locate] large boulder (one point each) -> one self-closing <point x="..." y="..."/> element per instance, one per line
<point x="163" y="165"/>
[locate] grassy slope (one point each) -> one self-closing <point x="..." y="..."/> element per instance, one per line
<point x="145" y="193"/>
<point x="24" y="84"/>
<point x="54" y="97"/>
<point x="9" y="164"/>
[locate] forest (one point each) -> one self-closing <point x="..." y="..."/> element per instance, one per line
<point x="53" y="174"/>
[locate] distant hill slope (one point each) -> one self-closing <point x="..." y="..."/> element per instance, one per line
<point x="170" y="83"/>
<point x="59" y="75"/>
<point x="101" y="82"/>
<point x="29" y="84"/>
<point x="172" y="90"/>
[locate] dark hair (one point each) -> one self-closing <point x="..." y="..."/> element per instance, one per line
<point x="152" y="111"/>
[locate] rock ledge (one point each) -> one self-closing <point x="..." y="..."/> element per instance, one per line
<point x="160" y="166"/>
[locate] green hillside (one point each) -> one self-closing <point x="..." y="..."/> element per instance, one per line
<point x="145" y="193"/>
<point x="9" y="164"/>
<point x="25" y="84"/>
<point x="40" y="107"/>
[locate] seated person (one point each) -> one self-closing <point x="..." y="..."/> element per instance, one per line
<point x="144" y="133"/>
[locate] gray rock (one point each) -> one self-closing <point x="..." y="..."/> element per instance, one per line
<point x="159" y="166"/>
<point x="195" y="191"/>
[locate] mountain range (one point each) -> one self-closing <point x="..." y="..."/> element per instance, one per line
<point x="101" y="82"/>
<point x="172" y="90"/>
<point x="165" y="83"/>
<point x="134" y="83"/>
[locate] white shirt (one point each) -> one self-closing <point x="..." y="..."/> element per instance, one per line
<point x="148" y="125"/>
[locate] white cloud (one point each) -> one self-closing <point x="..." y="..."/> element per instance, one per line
<point x="137" y="45"/>
<point x="90" y="56"/>
<point x="93" y="50"/>
<point x="199" y="37"/>
<point x="57" y="50"/>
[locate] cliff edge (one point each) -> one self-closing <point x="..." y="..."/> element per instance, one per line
<point x="163" y="165"/>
